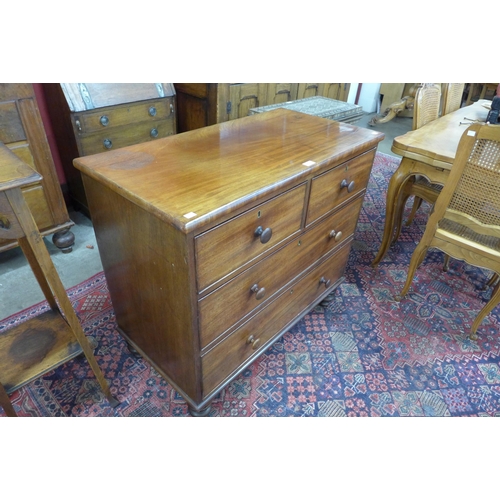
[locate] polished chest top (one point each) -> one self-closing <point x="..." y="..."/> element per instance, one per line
<point x="196" y="177"/>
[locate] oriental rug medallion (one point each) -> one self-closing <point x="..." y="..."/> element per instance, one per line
<point x="359" y="353"/>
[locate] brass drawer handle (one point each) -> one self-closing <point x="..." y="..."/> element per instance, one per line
<point x="264" y="234"/>
<point x="104" y="120"/>
<point x="154" y="133"/>
<point x="325" y="281"/>
<point x="336" y="235"/>
<point x="152" y="111"/>
<point x="349" y="186"/>
<point x="255" y="342"/>
<point x="107" y="143"/>
<point x="259" y="292"/>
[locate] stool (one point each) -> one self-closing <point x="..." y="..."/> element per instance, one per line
<point x="39" y="345"/>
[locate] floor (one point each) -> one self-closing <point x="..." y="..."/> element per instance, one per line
<point x="18" y="287"/>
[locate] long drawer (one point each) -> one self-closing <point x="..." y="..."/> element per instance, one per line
<point x="225" y="306"/>
<point x="232" y="244"/>
<point x="337" y="185"/>
<point x="251" y="339"/>
<point x="145" y="112"/>
<point x="119" y="137"/>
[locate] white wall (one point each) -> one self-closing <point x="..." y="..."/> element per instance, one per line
<point x="368" y="98"/>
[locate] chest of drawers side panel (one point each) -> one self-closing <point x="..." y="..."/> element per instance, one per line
<point x="148" y="268"/>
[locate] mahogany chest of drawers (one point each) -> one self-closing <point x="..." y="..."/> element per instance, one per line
<point x="90" y="118"/>
<point x="216" y="241"/>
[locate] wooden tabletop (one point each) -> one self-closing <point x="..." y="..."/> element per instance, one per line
<point x="195" y="177"/>
<point x="13" y="171"/>
<point x="436" y="143"/>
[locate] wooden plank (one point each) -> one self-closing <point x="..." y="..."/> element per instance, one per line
<point x="31" y="349"/>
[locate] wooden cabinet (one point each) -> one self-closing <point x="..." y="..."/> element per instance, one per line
<point x="90" y="118"/>
<point x="22" y="131"/>
<point x="202" y="104"/>
<point x="216" y="241"/>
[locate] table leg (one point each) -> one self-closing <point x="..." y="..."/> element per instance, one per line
<point x="5" y="403"/>
<point x="393" y="200"/>
<point x="35" y="250"/>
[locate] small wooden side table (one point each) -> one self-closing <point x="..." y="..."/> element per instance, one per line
<point x="39" y="345"/>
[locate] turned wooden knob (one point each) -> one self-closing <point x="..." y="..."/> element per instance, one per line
<point x="259" y="292"/>
<point x="252" y="340"/>
<point x="336" y="234"/>
<point x="264" y="234"/>
<point x="325" y="281"/>
<point x="348" y="185"/>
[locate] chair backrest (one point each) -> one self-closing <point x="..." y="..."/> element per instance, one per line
<point x="426" y="105"/>
<point x="471" y="195"/>
<point x="452" y="97"/>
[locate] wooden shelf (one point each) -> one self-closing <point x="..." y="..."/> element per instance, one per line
<point x="33" y="348"/>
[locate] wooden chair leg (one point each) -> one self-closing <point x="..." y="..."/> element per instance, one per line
<point x="398" y="222"/>
<point x="494" y="301"/>
<point x="416" y="259"/>
<point x="417" y="202"/>
<point x="36" y="251"/>
<point x="5" y="403"/>
<point x="446" y="262"/>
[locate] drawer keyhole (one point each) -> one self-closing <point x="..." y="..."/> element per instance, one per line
<point x="263" y="234"/>
<point x="253" y="341"/>
<point x="259" y="292"/>
<point x="348" y="185"/>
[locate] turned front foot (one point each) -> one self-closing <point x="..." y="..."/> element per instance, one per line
<point x="64" y="240"/>
<point x="200" y="413"/>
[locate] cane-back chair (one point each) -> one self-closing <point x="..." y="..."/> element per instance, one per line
<point x="465" y="223"/>
<point x="452" y="97"/>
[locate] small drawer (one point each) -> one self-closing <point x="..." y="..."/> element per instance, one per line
<point x="125" y="136"/>
<point x="337" y="185"/>
<point x="106" y="118"/>
<point x="229" y="246"/>
<point x="225" y="306"/>
<point x="251" y="339"/>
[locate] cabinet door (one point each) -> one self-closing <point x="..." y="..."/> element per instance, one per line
<point x="281" y="92"/>
<point x="338" y="91"/>
<point x="243" y="97"/>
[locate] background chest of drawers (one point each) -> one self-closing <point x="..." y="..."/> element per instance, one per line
<point x="90" y="118"/>
<point x="214" y="242"/>
<point x="22" y="131"/>
<point x="202" y="104"/>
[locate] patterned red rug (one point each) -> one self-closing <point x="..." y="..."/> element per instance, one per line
<point x="362" y="355"/>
